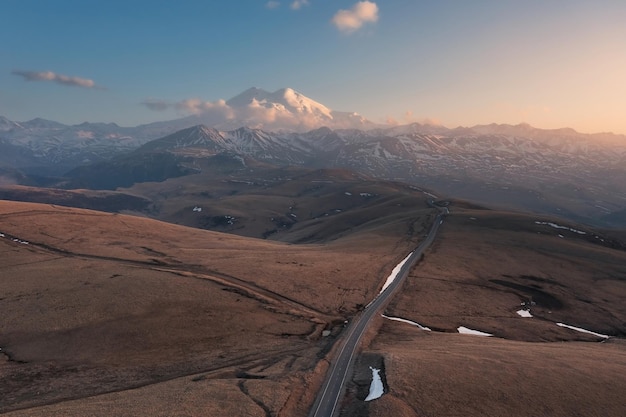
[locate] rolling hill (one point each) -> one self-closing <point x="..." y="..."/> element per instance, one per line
<point x="109" y="314"/>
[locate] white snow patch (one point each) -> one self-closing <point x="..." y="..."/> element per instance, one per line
<point x="197" y="209"/>
<point x="412" y="323"/>
<point x="347" y="193"/>
<point x="366" y="195"/>
<point x="394" y="273"/>
<point x="465" y="330"/>
<point x="556" y="226"/>
<point x="2" y="235"/>
<point x="524" y="313"/>
<point x="578" y="329"/>
<point x="376" y="387"/>
<point x="16" y="240"/>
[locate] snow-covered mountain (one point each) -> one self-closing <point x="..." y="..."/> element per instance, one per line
<point x="283" y="100"/>
<point x="283" y="110"/>
<point x="404" y="152"/>
<point x="7" y="125"/>
<point x="497" y="164"/>
<point x="513" y="166"/>
<point x="59" y="147"/>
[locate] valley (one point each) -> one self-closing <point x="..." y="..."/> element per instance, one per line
<point x="107" y="313"/>
<point x="209" y="271"/>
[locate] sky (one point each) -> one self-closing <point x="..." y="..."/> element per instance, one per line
<point x="549" y="63"/>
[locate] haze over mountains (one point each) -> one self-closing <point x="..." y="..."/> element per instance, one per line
<point x="560" y="172"/>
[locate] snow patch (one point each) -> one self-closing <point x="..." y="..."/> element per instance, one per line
<point x="412" y="323"/>
<point x="376" y="387"/>
<point x="347" y="193"/>
<point x="197" y="209"/>
<point x="16" y="240"/>
<point x="524" y="313"/>
<point x="465" y="330"/>
<point x="556" y="226"/>
<point x="394" y="273"/>
<point x="578" y="329"/>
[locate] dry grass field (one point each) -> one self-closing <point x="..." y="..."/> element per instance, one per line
<point x="485" y="264"/>
<point x="113" y="315"/>
<point x="434" y="374"/>
<point x="109" y="314"/>
<point x="482" y="267"/>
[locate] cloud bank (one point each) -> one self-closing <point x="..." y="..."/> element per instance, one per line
<point x="255" y="114"/>
<point x="56" y="78"/>
<point x="218" y="109"/>
<point x="349" y="21"/>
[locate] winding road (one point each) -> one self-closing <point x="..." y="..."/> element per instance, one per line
<point x="327" y="401"/>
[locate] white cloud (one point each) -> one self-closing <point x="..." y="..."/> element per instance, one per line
<point x="349" y="21"/>
<point x="198" y="106"/>
<point x="298" y="4"/>
<point x="255" y="114"/>
<point x="57" y="78"/>
<point x="272" y="4"/>
<point x="217" y="108"/>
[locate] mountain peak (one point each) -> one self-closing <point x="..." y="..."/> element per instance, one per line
<point x="245" y="98"/>
<point x="6" y="124"/>
<point x="39" y="123"/>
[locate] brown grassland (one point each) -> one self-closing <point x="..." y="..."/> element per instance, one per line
<point x="101" y="303"/>
<point x="114" y="315"/>
<point x="477" y="274"/>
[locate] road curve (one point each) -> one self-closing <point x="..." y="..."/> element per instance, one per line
<point x="327" y="401"/>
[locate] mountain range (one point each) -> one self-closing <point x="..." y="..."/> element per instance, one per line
<point x="560" y="171"/>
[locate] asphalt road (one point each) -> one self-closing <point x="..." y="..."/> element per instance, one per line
<point x="327" y="401"/>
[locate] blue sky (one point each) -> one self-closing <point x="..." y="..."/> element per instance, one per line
<point x="551" y="63"/>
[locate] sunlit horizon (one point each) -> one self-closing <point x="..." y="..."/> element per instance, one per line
<point x="455" y="64"/>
